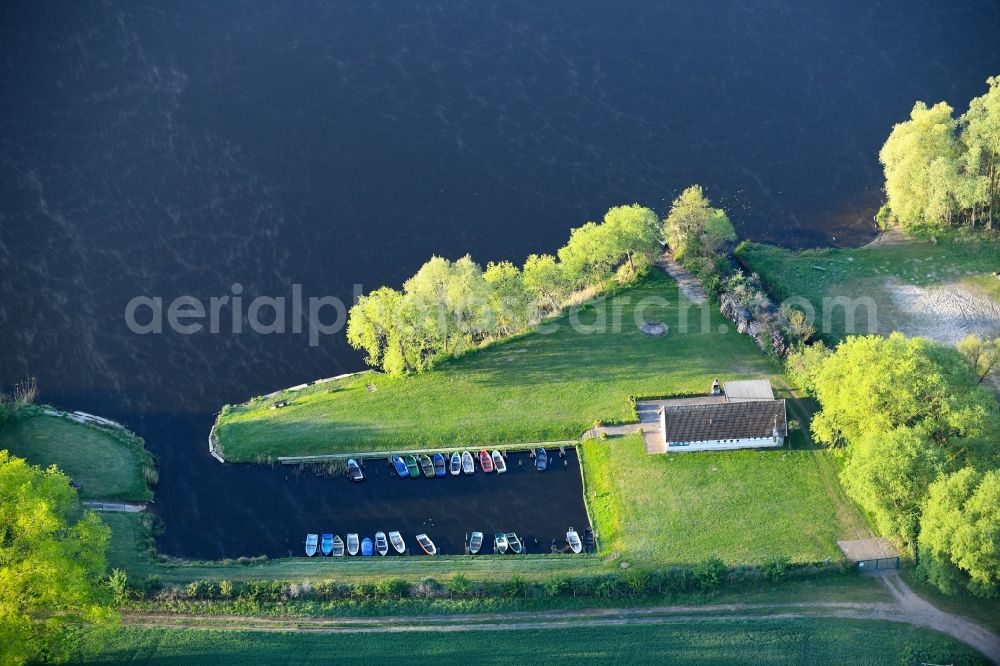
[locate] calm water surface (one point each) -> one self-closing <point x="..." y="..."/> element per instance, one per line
<point x="170" y="149"/>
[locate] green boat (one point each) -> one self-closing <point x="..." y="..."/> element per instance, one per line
<point x="427" y="465"/>
<point x="411" y="464"/>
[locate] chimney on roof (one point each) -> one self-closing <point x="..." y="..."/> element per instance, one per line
<point x="716" y="388"/>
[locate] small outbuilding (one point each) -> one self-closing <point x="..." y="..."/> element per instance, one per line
<point x="748" y="390"/>
<point x="750" y="424"/>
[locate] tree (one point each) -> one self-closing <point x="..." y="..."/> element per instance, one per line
<point x="51" y="561"/>
<point x="888" y="475"/>
<point x="980" y="134"/>
<point x="983" y="355"/>
<point x="588" y="257"/>
<point x="545" y="280"/>
<point x="960" y="533"/>
<point x="694" y="229"/>
<point x="633" y="234"/>
<point x="911" y="184"/>
<point x="372" y="323"/>
<point x="803" y="365"/>
<point x="511" y="303"/>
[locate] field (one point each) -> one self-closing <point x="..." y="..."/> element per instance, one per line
<point x="540" y="386"/>
<point x="749" y="641"/>
<point x="910" y="284"/>
<point x="107" y="464"/>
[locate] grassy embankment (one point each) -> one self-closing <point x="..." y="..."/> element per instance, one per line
<point x="784" y="641"/>
<point x="107" y="462"/>
<point x="962" y="261"/>
<point x="539" y="386"/>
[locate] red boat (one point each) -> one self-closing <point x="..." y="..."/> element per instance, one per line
<point x="485" y="461"/>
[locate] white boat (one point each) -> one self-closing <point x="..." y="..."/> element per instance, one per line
<point x="354" y="470"/>
<point x="573" y="539"/>
<point x="499" y="463"/>
<point x="338" y="546"/>
<point x="426" y="544"/>
<point x="468" y="464"/>
<point x="381" y="545"/>
<point x="312" y="543"/>
<point x="514" y="544"/>
<point x="500" y="542"/>
<point x="456" y="464"/>
<point x="353" y="544"/>
<point x="396" y="539"/>
<point x="475" y="542"/>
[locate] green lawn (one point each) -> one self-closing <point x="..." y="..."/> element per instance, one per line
<point x="765" y="641"/>
<point x="863" y="272"/>
<point x="540" y="386"/>
<point x="743" y="506"/>
<point x="108" y="463"/>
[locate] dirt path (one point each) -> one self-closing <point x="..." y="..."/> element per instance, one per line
<point x="906" y="608"/>
<point x="114" y="506"/>
<point x="689" y="285"/>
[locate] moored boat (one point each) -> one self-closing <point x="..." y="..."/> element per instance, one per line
<point x="485" y="461"/>
<point x="541" y="459"/>
<point x="354" y="470"/>
<point x="366" y="547"/>
<point x="412" y="467"/>
<point x="456" y="463"/>
<point x="475" y="542"/>
<point x="338" y="546"/>
<point x="573" y="539"/>
<point x="352" y="544"/>
<point x="499" y="463"/>
<point x="426" y="465"/>
<point x="401" y="469"/>
<point x="468" y="464"/>
<point x="500" y="542"/>
<point x="396" y="539"/>
<point x="312" y="541"/>
<point x="514" y="544"/>
<point x="381" y="545"/>
<point x="326" y="545"/>
<point x="439" y="465"/>
<point x="426" y="544"/>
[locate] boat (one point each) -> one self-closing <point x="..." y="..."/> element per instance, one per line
<point x="412" y="467"/>
<point x="514" y="544"/>
<point x="500" y="542"/>
<point x="312" y="540"/>
<point x="456" y="463"/>
<point x="352" y="544"/>
<point x="485" y="461"/>
<point x="326" y="545"/>
<point x="396" y="539"/>
<point x="354" y="470"/>
<point x="573" y="539"/>
<point x="426" y="465"/>
<point x="475" y="542"/>
<point x="401" y="469"/>
<point x="541" y="460"/>
<point x="338" y="546"/>
<point x="426" y="544"/>
<point x="439" y="465"/>
<point x="381" y="545"/>
<point x="468" y="464"/>
<point x="499" y="462"/>
<point x="366" y="547"/>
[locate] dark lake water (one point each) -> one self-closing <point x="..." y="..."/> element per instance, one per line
<point x="169" y="149"/>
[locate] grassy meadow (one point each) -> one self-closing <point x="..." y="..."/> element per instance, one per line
<point x="107" y="463"/>
<point x="746" y="641"/>
<point x="545" y="385"/>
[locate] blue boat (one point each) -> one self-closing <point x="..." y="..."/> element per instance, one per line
<point x="439" y="465"/>
<point x="541" y="460"/>
<point x="400" y="465"/>
<point x="326" y="545"/>
<point x="366" y="547"/>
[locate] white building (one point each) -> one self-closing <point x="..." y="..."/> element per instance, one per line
<point x="745" y="424"/>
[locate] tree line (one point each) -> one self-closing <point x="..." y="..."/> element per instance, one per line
<point x="942" y="171"/>
<point x="448" y="307"/>
<point x="917" y="427"/>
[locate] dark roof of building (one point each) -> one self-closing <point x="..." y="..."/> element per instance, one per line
<point x="733" y="420"/>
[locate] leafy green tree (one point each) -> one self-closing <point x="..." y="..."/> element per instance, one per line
<point x="588" y="257"/>
<point x="372" y="323"/>
<point x="51" y="562"/>
<point x="694" y="229"/>
<point x="511" y="304"/>
<point x="911" y="185"/>
<point x="983" y="355"/>
<point x="544" y="278"/>
<point x="803" y="365"/>
<point x="980" y="134"/>
<point x="633" y="237"/>
<point x="960" y="533"/>
<point x="888" y="475"/>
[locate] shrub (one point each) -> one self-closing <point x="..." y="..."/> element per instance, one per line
<point x="225" y="589"/>
<point x="557" y="586"/>
<point x="118" y="583"/>
<point x="459" y="586"/>
<point x="709" y="573"/>
<point x="678" y="579"/>
<point x="637" y="582"/>
<point x="775" y="567"/>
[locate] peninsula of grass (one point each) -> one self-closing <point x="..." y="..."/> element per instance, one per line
<point x="108" y="462"/>
<point x="965" y="261"/>
<point x="681" y="640"/>
<point x="549" y="384"/>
